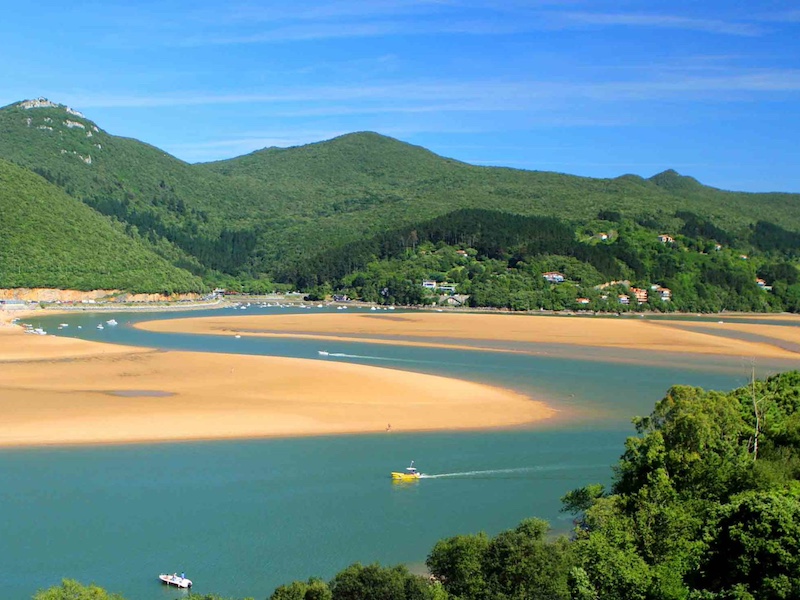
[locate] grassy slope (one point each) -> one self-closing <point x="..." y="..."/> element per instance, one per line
<point x="50" y="239"/>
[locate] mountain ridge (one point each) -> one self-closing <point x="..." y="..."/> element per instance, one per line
<point x="255" y="213"/>
<point x="665" y="178"/>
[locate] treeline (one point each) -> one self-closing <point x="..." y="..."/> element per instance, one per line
<point x="704" y="505"/>
<point x="498" y="260"/>
<point x="771" y="237"/>
<point x="228" y="250"/>
<point x="493" y="234"/>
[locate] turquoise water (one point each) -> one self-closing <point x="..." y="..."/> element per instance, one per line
<point x="242" y="517"/>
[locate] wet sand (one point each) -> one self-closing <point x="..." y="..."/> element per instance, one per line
<point x="788" y="317"/>
<point x="470" y="330"/>
<point x="779" y="333"/>
<point x="66" y="391"/>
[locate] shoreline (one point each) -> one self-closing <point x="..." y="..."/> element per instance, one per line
<point x="63" y="391"/>
<point x="59" y="391"/>
<point x="52" y="307"/>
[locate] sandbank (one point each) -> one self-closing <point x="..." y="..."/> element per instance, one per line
<point x="761" y="316"/>
<point x="477" y="331"/>
<point x="783" y="333"/>
<point x="66" y="391"/>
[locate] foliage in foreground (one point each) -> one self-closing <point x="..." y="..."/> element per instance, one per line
<point x="705" y="505"/>
<point x="72" y="590"/>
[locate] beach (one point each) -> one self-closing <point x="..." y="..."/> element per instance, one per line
<point x="479" y="330"/>
<point x="67" y="391"/>
<point x="58" y="390"/>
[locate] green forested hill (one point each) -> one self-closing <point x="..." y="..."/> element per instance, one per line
<point x="365" y="170"/>
<point x="49" y="239"/>
<point x="194" y="218"/>
<point x="365" y="183"/>
<point x="269" y="213"/>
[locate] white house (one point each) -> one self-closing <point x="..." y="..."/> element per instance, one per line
<point x="553" y="277"/>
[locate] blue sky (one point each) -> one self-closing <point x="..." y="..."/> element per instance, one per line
<point x="594" y="88"/>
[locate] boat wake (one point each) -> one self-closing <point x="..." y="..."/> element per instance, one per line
<point x="364" y="357"/>
<point x="492" y="472"/>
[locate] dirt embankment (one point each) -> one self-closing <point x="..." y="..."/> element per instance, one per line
<point x="78" y="297"/>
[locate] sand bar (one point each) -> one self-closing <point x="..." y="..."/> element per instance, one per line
<point x="788" y="317"/>
<point x="470" y="330"/>
<point x="783" y="333"/>
<point x="65" y="391"/>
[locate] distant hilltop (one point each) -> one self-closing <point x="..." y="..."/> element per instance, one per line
<point x="45" y="103"/>
<point x="96" y="211"/>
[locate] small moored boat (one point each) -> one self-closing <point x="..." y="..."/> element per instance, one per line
<point x="176" y="580"/>
<point x="410" y="474"/>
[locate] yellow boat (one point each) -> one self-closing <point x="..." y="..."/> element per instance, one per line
<point x="410" y="474"/>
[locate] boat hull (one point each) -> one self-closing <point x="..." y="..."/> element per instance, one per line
<point x="404" y="476"/>
<point x="175" y="580"/>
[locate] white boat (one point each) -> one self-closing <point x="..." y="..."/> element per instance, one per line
<point x="111" y="322"/>
<point x="176" y="580"/>
<point x="100" y="326"/>
<point x="323" y="352"/>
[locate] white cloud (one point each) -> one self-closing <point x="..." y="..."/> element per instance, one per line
<point x="659" y="21"/>
<point x="487" y="95"/>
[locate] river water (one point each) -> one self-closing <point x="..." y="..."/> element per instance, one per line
<point x="242" y="517"/>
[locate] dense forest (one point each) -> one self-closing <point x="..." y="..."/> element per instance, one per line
<point x="704" y="505"/>
<point x="358" y="215"/>
<point x="493" y="259"/>
<point x="49" y="239"/>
